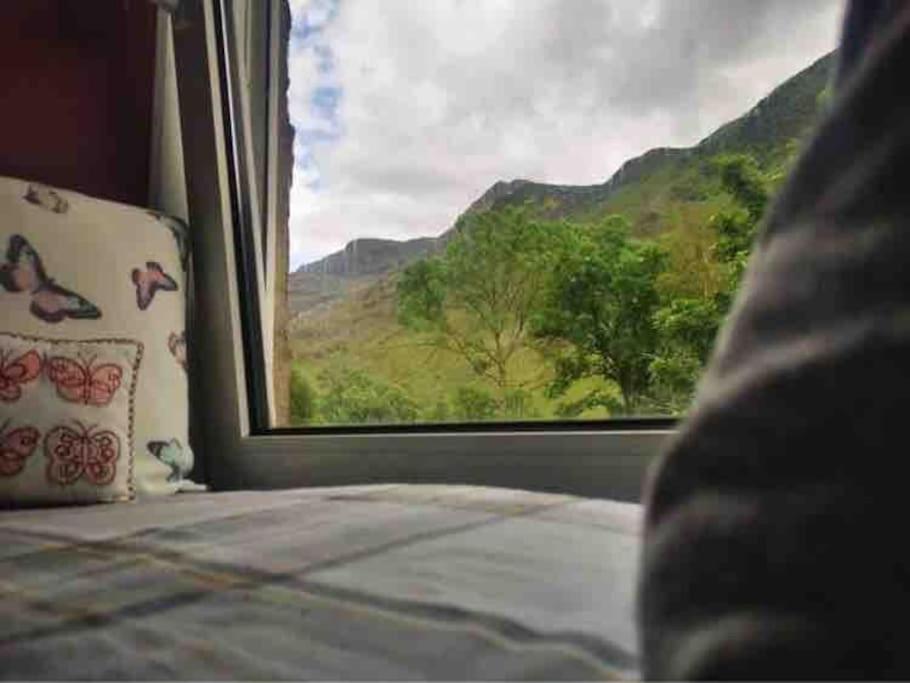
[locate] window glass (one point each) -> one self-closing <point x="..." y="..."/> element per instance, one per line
<point x="510" y="210"/>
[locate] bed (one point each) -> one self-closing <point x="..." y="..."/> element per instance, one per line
<point x="370" y="582"/>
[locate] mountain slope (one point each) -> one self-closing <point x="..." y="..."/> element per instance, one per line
<point x="362" y="261"/>
<point x="770" y="132"/>
<point x="645" y="189"/>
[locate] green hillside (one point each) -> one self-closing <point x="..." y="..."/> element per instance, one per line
<point x="645" y="189"/>
<point x="356" y="362"/>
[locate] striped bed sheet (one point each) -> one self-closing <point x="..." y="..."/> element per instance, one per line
<point x="381" y="582"/>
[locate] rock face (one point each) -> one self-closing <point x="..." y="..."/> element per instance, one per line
<point x="361" y="262"/>
<point x="370" y="257"/>
<point x="783" y="117"/>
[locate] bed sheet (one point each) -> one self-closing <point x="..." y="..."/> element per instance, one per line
<point x="374" y="582"/>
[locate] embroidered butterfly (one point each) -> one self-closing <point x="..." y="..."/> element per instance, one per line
<point x="149" y="281"/>
<point x="81" y="381"/>
<point x="174" y="455"/>
<point x="24" y="272"/>
<point x="177" y="345"/>
<point x="14" y="373"/>
<point x="16" y="446"/>
<point x="46" y="198"/>
<point x="81" y="452"/>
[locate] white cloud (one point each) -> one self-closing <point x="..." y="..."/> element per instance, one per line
<point x="407" y="111"/>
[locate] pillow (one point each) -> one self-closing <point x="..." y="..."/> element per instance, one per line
<point x="66" y="419"/>
<point x="78" y="268"/>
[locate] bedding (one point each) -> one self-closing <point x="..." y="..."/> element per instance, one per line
<point x="374" y="582"/>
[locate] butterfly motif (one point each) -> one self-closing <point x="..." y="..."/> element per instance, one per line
<point x="174" y="455"/>
<point x="179" y="231"/>
<point x="81" y="381"/>
<point x="149" y="281"/>
<point x="16" y="446"/>
<point x="46" y="198"/>
<point x="24" y="272"/>
<point x="177" y="345"/>
<point x="14" y="373"/>
<point x="81" y="452"/>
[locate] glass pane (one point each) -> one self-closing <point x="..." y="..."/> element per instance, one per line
<point x="509" y="210"/>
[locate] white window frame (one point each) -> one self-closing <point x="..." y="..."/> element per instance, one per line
<point x="608" y="460"/>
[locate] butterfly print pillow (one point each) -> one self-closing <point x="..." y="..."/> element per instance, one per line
<point x="67" y="419"/>
<point x="74" y="267"/>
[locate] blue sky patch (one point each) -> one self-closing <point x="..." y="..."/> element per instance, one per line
<point x="323" y="126"/>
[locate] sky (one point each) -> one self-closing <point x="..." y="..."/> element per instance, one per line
<point x="406" y="111"/>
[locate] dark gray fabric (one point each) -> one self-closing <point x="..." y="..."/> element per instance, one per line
<point x="774" y="543"/>
<point x="375" y="582"/>
<point x="864" y="21"/>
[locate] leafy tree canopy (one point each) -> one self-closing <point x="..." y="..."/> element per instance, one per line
<point x="598" y="310"/>
<point x="476" y="300"/>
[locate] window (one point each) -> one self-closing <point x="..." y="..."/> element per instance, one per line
<point x="512" y="232"/>
<point x="525" y="211"/>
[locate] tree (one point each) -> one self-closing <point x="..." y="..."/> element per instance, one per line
<point x="302" y="398"/>
<point x="352" y="396"/>
<point x="736" y="228"/>
<point x="473" y="404"/>
<point x="598" y="312"/>
<point x="687" y="328"/>
<point x="694" y="299"/>
<point x="476" y="300"/>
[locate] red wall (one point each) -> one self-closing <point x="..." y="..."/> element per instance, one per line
<point x="76" y="84"/>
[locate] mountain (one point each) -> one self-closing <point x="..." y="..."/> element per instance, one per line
<point x="370" y="256"/>
<point x="770" y="132"/>
<point x="645" y="189"/>
<point x="361" y="261"/>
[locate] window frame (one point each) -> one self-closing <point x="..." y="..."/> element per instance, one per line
<point x="230" y="358"/>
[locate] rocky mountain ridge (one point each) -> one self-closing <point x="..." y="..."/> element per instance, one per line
<point x="782" y="118"/>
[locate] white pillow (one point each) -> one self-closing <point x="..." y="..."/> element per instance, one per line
<point x="67" y="425"/>
<point x="80" y="268"/>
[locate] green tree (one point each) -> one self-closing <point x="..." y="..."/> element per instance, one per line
<point x="689" y="318"/>
<point x="687" y="328"/>
<point x="303" y="398"/>
<point x="473" y="404"/>
<point x="351" y="396"/>
<point x="598" y="312"/>
<point x="736" y="227"/>
<point x="476" y="300"/>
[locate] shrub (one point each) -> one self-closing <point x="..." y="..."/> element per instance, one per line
<point x="473" y="404"/>
<point x="303" y="398"/>
<point x="352" y="396"/>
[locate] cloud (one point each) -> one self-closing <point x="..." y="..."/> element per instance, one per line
<point x="407" y="111"/>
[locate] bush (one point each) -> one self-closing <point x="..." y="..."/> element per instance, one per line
<point x="473" y="404"/>
<point x="353" y="397"/>
<point x="519" y="405"/>
<point x="303" y="398"/>
<point x="439" y="413"/>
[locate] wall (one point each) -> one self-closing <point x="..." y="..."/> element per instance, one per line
<point x="76" y="95"/>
